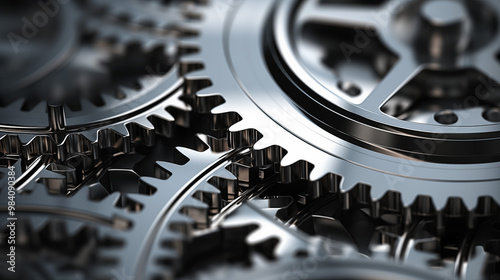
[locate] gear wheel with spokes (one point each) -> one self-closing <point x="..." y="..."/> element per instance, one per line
<point x="301" y="109"/>
<point x="291" y="229"/>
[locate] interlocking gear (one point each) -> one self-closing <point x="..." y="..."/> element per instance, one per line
<point x="194" y="139"/>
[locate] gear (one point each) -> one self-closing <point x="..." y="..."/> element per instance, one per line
<point x="114" y="194"/>
<point x="281" y="119"/>
<point x="329" y="139"/>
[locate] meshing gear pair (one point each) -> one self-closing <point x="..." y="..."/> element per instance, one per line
<point x="94" y="77"/>
<point x="284" y="76"/>
<point x="397" y="134"/>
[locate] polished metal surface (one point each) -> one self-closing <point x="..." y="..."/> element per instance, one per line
<point x="245" y="139"/>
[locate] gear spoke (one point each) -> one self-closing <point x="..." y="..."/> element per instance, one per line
<point x="402" y="72"/>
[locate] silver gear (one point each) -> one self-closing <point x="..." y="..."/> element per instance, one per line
<point x="261" y="208"/>
<point x="126" y="114"/>
<point x="244" y="68"/>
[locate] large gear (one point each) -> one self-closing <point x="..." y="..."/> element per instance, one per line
<point x="301" y="139"/>
<point x="282" y="121"/>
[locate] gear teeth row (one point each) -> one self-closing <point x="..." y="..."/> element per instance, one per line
<point x="387" y="240"/>
<point x="31" y="143"/>
<point x="170" y="185"/>
<point x="140" y="129"/>
<point x="152" y="14"/>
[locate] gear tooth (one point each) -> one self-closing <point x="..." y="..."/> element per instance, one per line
<point x="317" y="173"/>
<point x="263" y="144"/>
<point x="224" y="173"/>
<point x="194" y="203"/>
<point x="85" y="105"/>
<point x="207" y="93"/>
<point x="83" y="194"/>
<point x="168" y="166"/>
<point x="179" y="218"/>
<point x="470" y="202"/>
<point x="162" y="114"/>
<point x="439" y="202"/>
<point x="108" y="99"/>
<point x="347" y="183"/>
<point x="191" y="71"/>
<point x="189" y="41"/>
<point x="16" y="105"/>
<point x="126" y="90"/>
<point x="288" y="160"/>
<point x="257" y="236"/>
<point x="239" y="126"/>
<point x="39" y="110"/>
<point x="89" y="135"/>
<point x="154" y="182"/>
<point x="121" y="130"/>
<point x="193" y="25"/>
<point x="189" y="153"/>
<point x="73" y="226"/>
<point x="138" y="197"/>
<point x="377" y="192"/>
<point x="145" y="123"/>
<point x="408" y="198"/>
<point x="208" y="188"/>
<point x="190" y="54"/>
